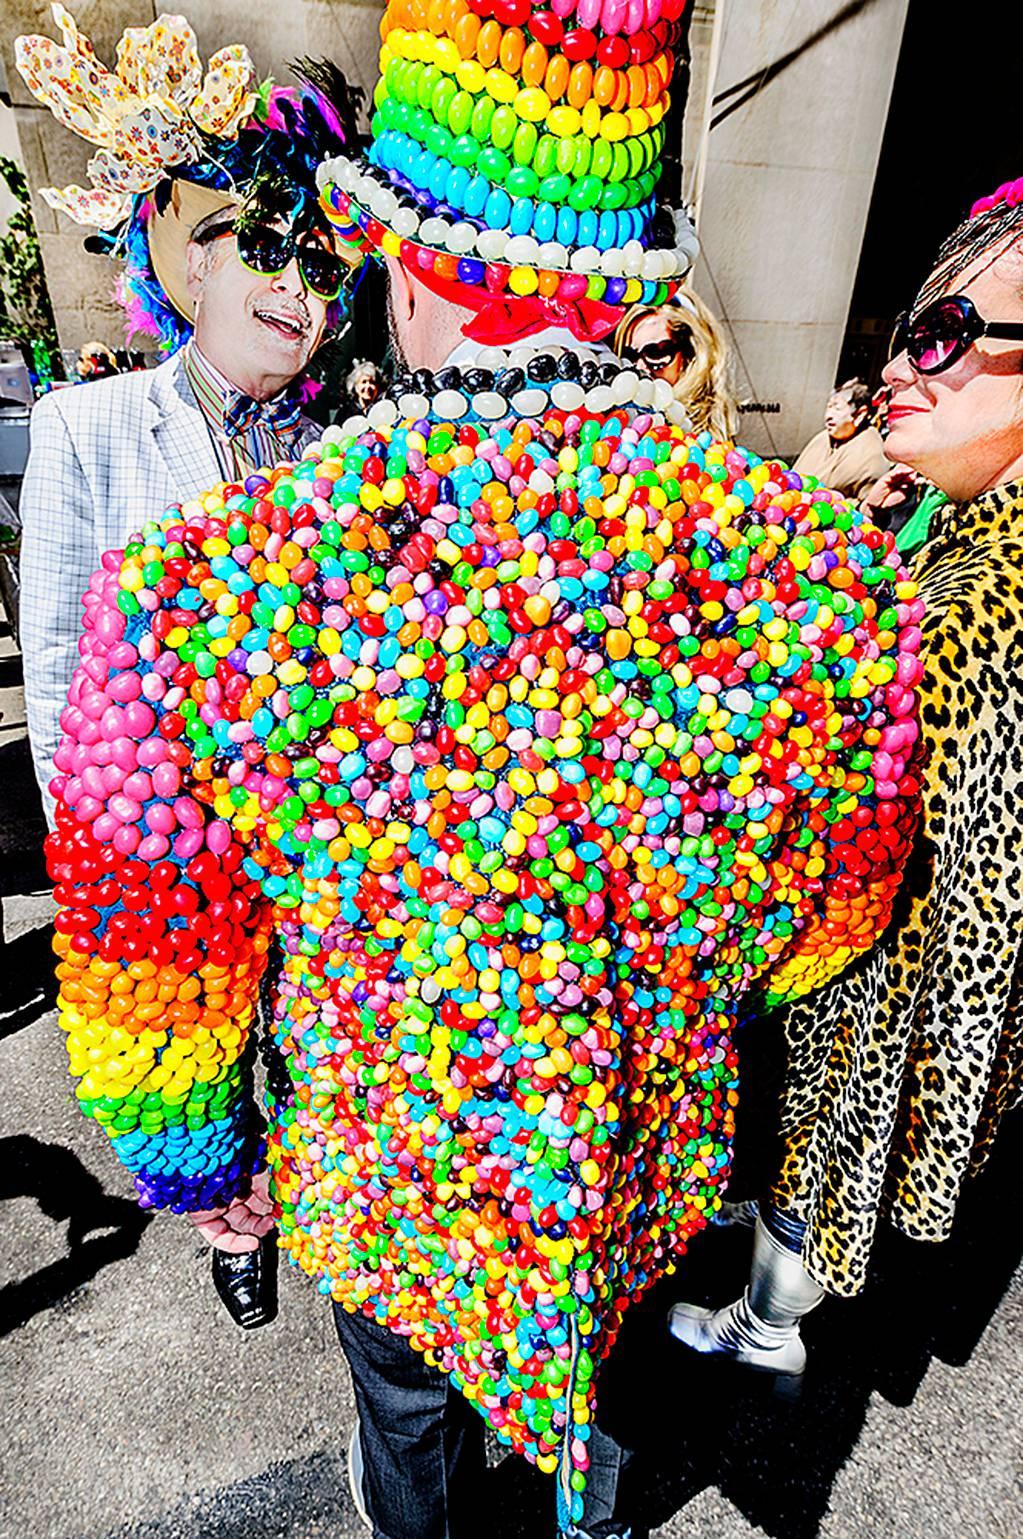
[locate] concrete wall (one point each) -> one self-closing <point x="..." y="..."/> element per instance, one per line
<point x="273" y="30"/>
<point x="10" y="150"/>
<point x="786" y="190"/>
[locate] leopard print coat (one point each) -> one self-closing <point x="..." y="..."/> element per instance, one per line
<point x="900" y="1070"/>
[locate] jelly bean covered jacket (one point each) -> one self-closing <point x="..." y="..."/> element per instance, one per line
<point x="512" y="754"/>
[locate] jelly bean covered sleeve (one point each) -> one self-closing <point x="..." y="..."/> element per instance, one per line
<point x="857" y="841"/>
<point x="161" y="934"/>
<point x="537" y="741"/>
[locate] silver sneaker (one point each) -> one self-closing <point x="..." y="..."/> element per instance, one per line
<point x="735" y="1332"/>
<point x="761" y="1329"/>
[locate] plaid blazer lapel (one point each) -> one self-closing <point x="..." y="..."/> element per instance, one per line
<point x="180" y="432"/>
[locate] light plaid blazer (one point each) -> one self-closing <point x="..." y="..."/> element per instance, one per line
<point x="104" y="458"/>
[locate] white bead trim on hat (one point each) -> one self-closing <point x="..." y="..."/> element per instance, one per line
<point x="361" y="182"/>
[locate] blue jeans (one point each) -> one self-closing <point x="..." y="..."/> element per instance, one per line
<point x="423" y="1448"/>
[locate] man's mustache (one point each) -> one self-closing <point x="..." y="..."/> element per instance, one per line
<point x="296" y="313"/>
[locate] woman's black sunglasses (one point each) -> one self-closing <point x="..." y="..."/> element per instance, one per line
<point x="943" y="332"/>
<point x="654" y="355"/>
<point x="264" y="249"/>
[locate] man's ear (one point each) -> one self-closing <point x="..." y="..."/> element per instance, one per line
<point x="403" y="294"/>
<point x="195" y="268"/>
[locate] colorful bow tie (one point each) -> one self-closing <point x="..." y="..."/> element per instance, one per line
<point x="282" y="416"/>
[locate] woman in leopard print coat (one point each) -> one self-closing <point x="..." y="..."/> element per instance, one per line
<point x="899" y="1072"/>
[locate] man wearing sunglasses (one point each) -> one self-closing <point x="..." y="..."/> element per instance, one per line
<point x="262" y="296"/>
<point x="243" y="312"/>
<point x="848" y="454"/>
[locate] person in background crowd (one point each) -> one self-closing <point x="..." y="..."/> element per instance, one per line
<point x="684" y="344"/>
<point x="900" y="501"/>
<point x="129" y="360"/>
<point x="900" y="1071"/>
<point x="364" y="385"/>
<point x="96" y="361"/>
<point x="848" y="453"/>
<point x="904" y="503"/>
<point x="242" y="313"/>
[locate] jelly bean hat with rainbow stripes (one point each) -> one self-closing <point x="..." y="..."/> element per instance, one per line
<point x="515" y="156"/>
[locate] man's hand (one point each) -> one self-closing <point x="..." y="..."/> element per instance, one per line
<point x="242" y="1223"/>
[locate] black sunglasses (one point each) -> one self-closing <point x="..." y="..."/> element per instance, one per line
<point x="943" y="332"/>
<point x="654" y="355"/>
<point x="266" y="250"/>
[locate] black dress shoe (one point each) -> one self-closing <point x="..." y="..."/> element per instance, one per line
<point x="247" y="1283"/>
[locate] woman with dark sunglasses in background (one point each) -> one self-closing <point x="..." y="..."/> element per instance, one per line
<point x="899" y="1072"/>
<point x="682" y="343"/>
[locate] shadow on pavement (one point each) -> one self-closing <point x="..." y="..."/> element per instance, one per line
<point x="10" y="672"/>
<point x="28" y="986"/>
<point x="65" y="1190"/>
<point x="285" y="1501"/>
<point x="28" y="983"/>
<point x="23" y="827"/>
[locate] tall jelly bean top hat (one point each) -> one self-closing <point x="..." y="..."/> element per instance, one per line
<point x="175" y="146"/>
<point x="516" y="151"/>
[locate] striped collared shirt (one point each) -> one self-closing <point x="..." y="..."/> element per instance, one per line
<point x="255" y="449"/>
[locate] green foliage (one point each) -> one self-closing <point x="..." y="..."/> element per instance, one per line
<point x="25" y="311"/>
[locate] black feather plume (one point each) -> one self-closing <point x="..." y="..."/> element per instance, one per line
<point x="339" y="102"/>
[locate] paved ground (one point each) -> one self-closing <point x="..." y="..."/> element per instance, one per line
<point x="131" y="1408"/>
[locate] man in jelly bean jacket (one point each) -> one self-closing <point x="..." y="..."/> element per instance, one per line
<point x="509" y="738"/>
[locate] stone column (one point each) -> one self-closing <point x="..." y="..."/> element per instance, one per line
<point x="799" y="101"/>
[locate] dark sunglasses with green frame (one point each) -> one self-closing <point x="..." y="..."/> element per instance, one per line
<point x="266" y="249"/>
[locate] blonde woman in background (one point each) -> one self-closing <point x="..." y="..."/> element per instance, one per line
<point x="683" y="343"/>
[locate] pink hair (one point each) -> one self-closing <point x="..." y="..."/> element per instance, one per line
<point x="308" y="389"/>
<point x="1009" y="192"/>
<point x="137" y="319"/>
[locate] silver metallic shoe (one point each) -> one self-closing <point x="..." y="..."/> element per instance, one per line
<point x="761" y="1329"/>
